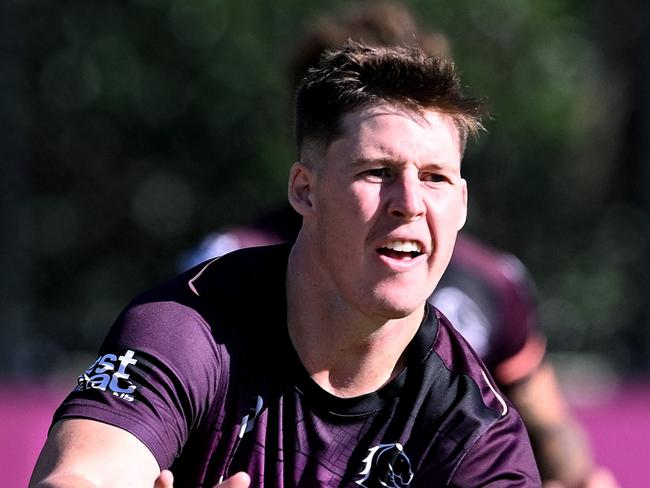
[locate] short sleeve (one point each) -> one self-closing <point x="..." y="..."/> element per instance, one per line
<point x="156" y="376"/>
<point x="501" y="457"/>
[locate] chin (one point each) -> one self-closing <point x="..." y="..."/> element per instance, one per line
<point x="392" y="309"/>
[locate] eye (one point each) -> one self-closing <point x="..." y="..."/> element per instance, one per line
<point x="377" y="174"/>
<point x="434" y="177"/>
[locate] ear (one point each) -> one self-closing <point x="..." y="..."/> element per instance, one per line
<point x="463" y="215"/>
<point x="301" y="188"/>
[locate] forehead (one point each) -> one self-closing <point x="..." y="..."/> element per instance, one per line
<point x="398" y="132"/>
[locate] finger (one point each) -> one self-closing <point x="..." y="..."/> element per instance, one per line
<point x="164" y="480"/>
<point x="237" y="480"/>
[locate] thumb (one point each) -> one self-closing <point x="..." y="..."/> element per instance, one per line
<point x="164" y="480"/>
<point x="237" y="480"/>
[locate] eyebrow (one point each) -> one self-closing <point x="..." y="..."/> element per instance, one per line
<point x="389" y="161"/>
<point x="358" y="162"/>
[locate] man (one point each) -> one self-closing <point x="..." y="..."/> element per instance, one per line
<point x="340" y="374"/>
<point x="487" y="295"/>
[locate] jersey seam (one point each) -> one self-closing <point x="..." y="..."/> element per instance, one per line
<point x="470" y="447"/>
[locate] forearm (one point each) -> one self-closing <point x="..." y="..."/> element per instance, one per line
<point x="562" y="452"/>
<point x="561" y="446"/>
<point x="81" y="453"/>
<point x="62" y="481"/>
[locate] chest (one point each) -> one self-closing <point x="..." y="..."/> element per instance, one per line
<point x="282" y="438"/>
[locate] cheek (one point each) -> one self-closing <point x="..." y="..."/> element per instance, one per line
<point x="340" y="218"/>
<point x="350" y="206"/>
<point x="446" y="215"/>
<point x="366" y="200"/>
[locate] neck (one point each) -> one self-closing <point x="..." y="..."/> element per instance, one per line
<point x="346" y="352"/>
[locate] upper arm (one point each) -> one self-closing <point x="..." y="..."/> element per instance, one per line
<point x="81" y="452"/>
<point x="134" y="408"/>
<point x="156" y="377"/>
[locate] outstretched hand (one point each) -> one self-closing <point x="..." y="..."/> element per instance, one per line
<point x="165" y="480"/>
<point x="238" y="480"/>
<point x="600" y="478"/>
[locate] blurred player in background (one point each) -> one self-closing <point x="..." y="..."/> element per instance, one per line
<point x="486" y="294"/>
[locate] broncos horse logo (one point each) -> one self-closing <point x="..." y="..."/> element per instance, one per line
<point x="386" y="466"/>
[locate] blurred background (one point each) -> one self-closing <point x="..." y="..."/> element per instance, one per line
<point x="130" y="130"/>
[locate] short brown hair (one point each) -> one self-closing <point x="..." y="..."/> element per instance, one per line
<point x="359" y="75"/>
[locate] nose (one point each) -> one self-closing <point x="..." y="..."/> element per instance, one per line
<point x="406" y="198"/>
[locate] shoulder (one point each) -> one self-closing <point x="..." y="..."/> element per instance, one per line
<point x="483" y="420"/>
<point x="214" y="290"/>
<point x="500" y="456"/>
<point x="185" y="322"/>
<point x="464" y="364"/>
<point x="240" y="271"/>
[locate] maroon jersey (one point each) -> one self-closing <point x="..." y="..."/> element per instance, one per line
<point x="203" y="372"/>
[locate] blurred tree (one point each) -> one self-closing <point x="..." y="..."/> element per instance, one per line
<point x="16" y="299"/>
<point x="143" y="125"/>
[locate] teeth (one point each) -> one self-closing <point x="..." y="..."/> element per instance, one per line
<point x="404" y="246"/>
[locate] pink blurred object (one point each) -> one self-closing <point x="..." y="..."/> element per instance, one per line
<point x="25" y="415"/>
<point x="620" y="432"/>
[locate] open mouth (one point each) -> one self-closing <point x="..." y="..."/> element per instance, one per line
<point x="401" y="250"/>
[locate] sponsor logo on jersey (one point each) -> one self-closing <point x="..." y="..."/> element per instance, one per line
<point x="248" y="420"/>
<point x="386" y="465"/>
<point x="109" y="373"/>
<point x="247" y="425"/>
